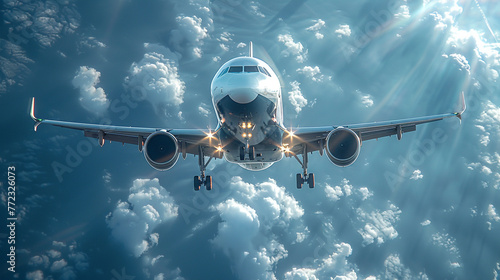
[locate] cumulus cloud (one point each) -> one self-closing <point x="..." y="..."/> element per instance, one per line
<point x="296" y="98"/>
<point x="292" y="48"/>
<point x="314" y="73"/>
<point x="334" y="264"/>
<point x="249" y="221"/>
<point x="416" y="175"/>
<point x="13" y="64"/>
<point x="155" y="78"/>
<point x="194" y="25"/>
<point x="378" y="226"/>
<point x="334" y="193"/>
<point x="394" y="269"/>
<point x="65" y="261"/>
<point x="91" y="98"/>
<point x="343" y="31"/>
<point x="492" y="214"/>
<point x="366" y="99"/>
<point x="133" y="222"/>
<point x="41" y="21"/>
<point x="316" y="27"/>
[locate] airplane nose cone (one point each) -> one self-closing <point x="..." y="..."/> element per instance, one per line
<point x="243" y="95"/>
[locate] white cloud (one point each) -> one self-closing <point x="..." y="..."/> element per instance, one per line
<point x="202" y="109"/>
<point x="425" y="223"/>
<point x="190" y="32"/>
<point x="334" y="264"/>
<point x="417" y="175"/>
<point x="301" y="274"/>
<point x="296" y="98"/>
<point x="155" y="78"/>
<point x="66" y="262"/>
<point x="57" y="266"/>
<point x="13" y="66"/>
<point x="91" y="98"/>
<point x="394" y="269"/>
<point x="365" y="193"/>
<point x="378" y="226"/>
<point x="250" y="220"/>
<point x="133" y="222"/>
<point x="366" y="99"/>
<point x="311" y="72"/>
<point x="333" y="193"/>
<point x="41" y="21"/>
<point x="35" y="275"/>
<point x="318" y="25"/>
<point x="492" y="214"/>
<point x="343" y="31"/>
<point x="292" y="48"/>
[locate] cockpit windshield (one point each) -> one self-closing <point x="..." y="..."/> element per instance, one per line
<point x="246" y="69"/>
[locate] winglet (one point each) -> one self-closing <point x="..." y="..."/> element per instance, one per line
<point x="251" y="49"/>
<point x="464" y="107"/>
<point x="32" y="114"/>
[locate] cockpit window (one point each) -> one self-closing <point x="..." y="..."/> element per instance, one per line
<point x="223" y="72"/>
<point x="251" y="69"/>
<point x="235" y="69"/>
<point x="264" y="71"/>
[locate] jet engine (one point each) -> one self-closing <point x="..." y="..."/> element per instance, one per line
<point x="161" y="150"/>
<point x="342" y="146"/>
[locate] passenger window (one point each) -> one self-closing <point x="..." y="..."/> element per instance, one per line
<point x="251" y="69"/>
<point x="264" y="71"/>
<point x="235" y="69"/>
<point x="223" y="72"/>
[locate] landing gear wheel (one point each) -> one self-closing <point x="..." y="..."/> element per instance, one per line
<point x="251" y="153"/>
<point x="300" y="181"/>
<point x="197" y="183"/>
<point x="208" y="183"/>
<point x="242" y="153"/>
<point x="310" y="180"/>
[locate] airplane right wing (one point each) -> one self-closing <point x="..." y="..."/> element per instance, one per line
<point x="312" y="139"/>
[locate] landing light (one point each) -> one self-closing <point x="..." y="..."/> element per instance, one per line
<point x="285" y="149"/>
<point x="219" y="148"/>
<point x="244" y="135"/>
<point x="249" y="135"/>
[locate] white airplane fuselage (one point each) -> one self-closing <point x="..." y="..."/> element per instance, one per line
<point x="246" y="94"/>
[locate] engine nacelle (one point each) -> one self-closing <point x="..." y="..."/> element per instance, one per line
<point x="161" y="150"/>
<point x="342" y="146"/>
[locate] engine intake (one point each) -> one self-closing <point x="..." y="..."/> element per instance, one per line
<point x="342" y="146"/>
<point x="161" y="150"/>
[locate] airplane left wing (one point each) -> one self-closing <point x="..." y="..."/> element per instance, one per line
<point x="190" y="140"/>
<point x="314" y="138"/>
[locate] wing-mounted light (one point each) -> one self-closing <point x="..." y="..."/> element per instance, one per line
<point x="32" y="115"/>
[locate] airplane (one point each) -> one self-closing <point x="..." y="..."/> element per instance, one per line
<point x="246" y="95"/>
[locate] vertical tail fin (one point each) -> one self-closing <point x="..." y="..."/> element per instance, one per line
<point x="251" y="49"/>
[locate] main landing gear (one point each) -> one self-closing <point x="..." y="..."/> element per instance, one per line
<point x="202" y="179"/>
<point x="304" y="178"/>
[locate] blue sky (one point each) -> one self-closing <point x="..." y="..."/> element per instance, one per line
<point x="425" y="207"/>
